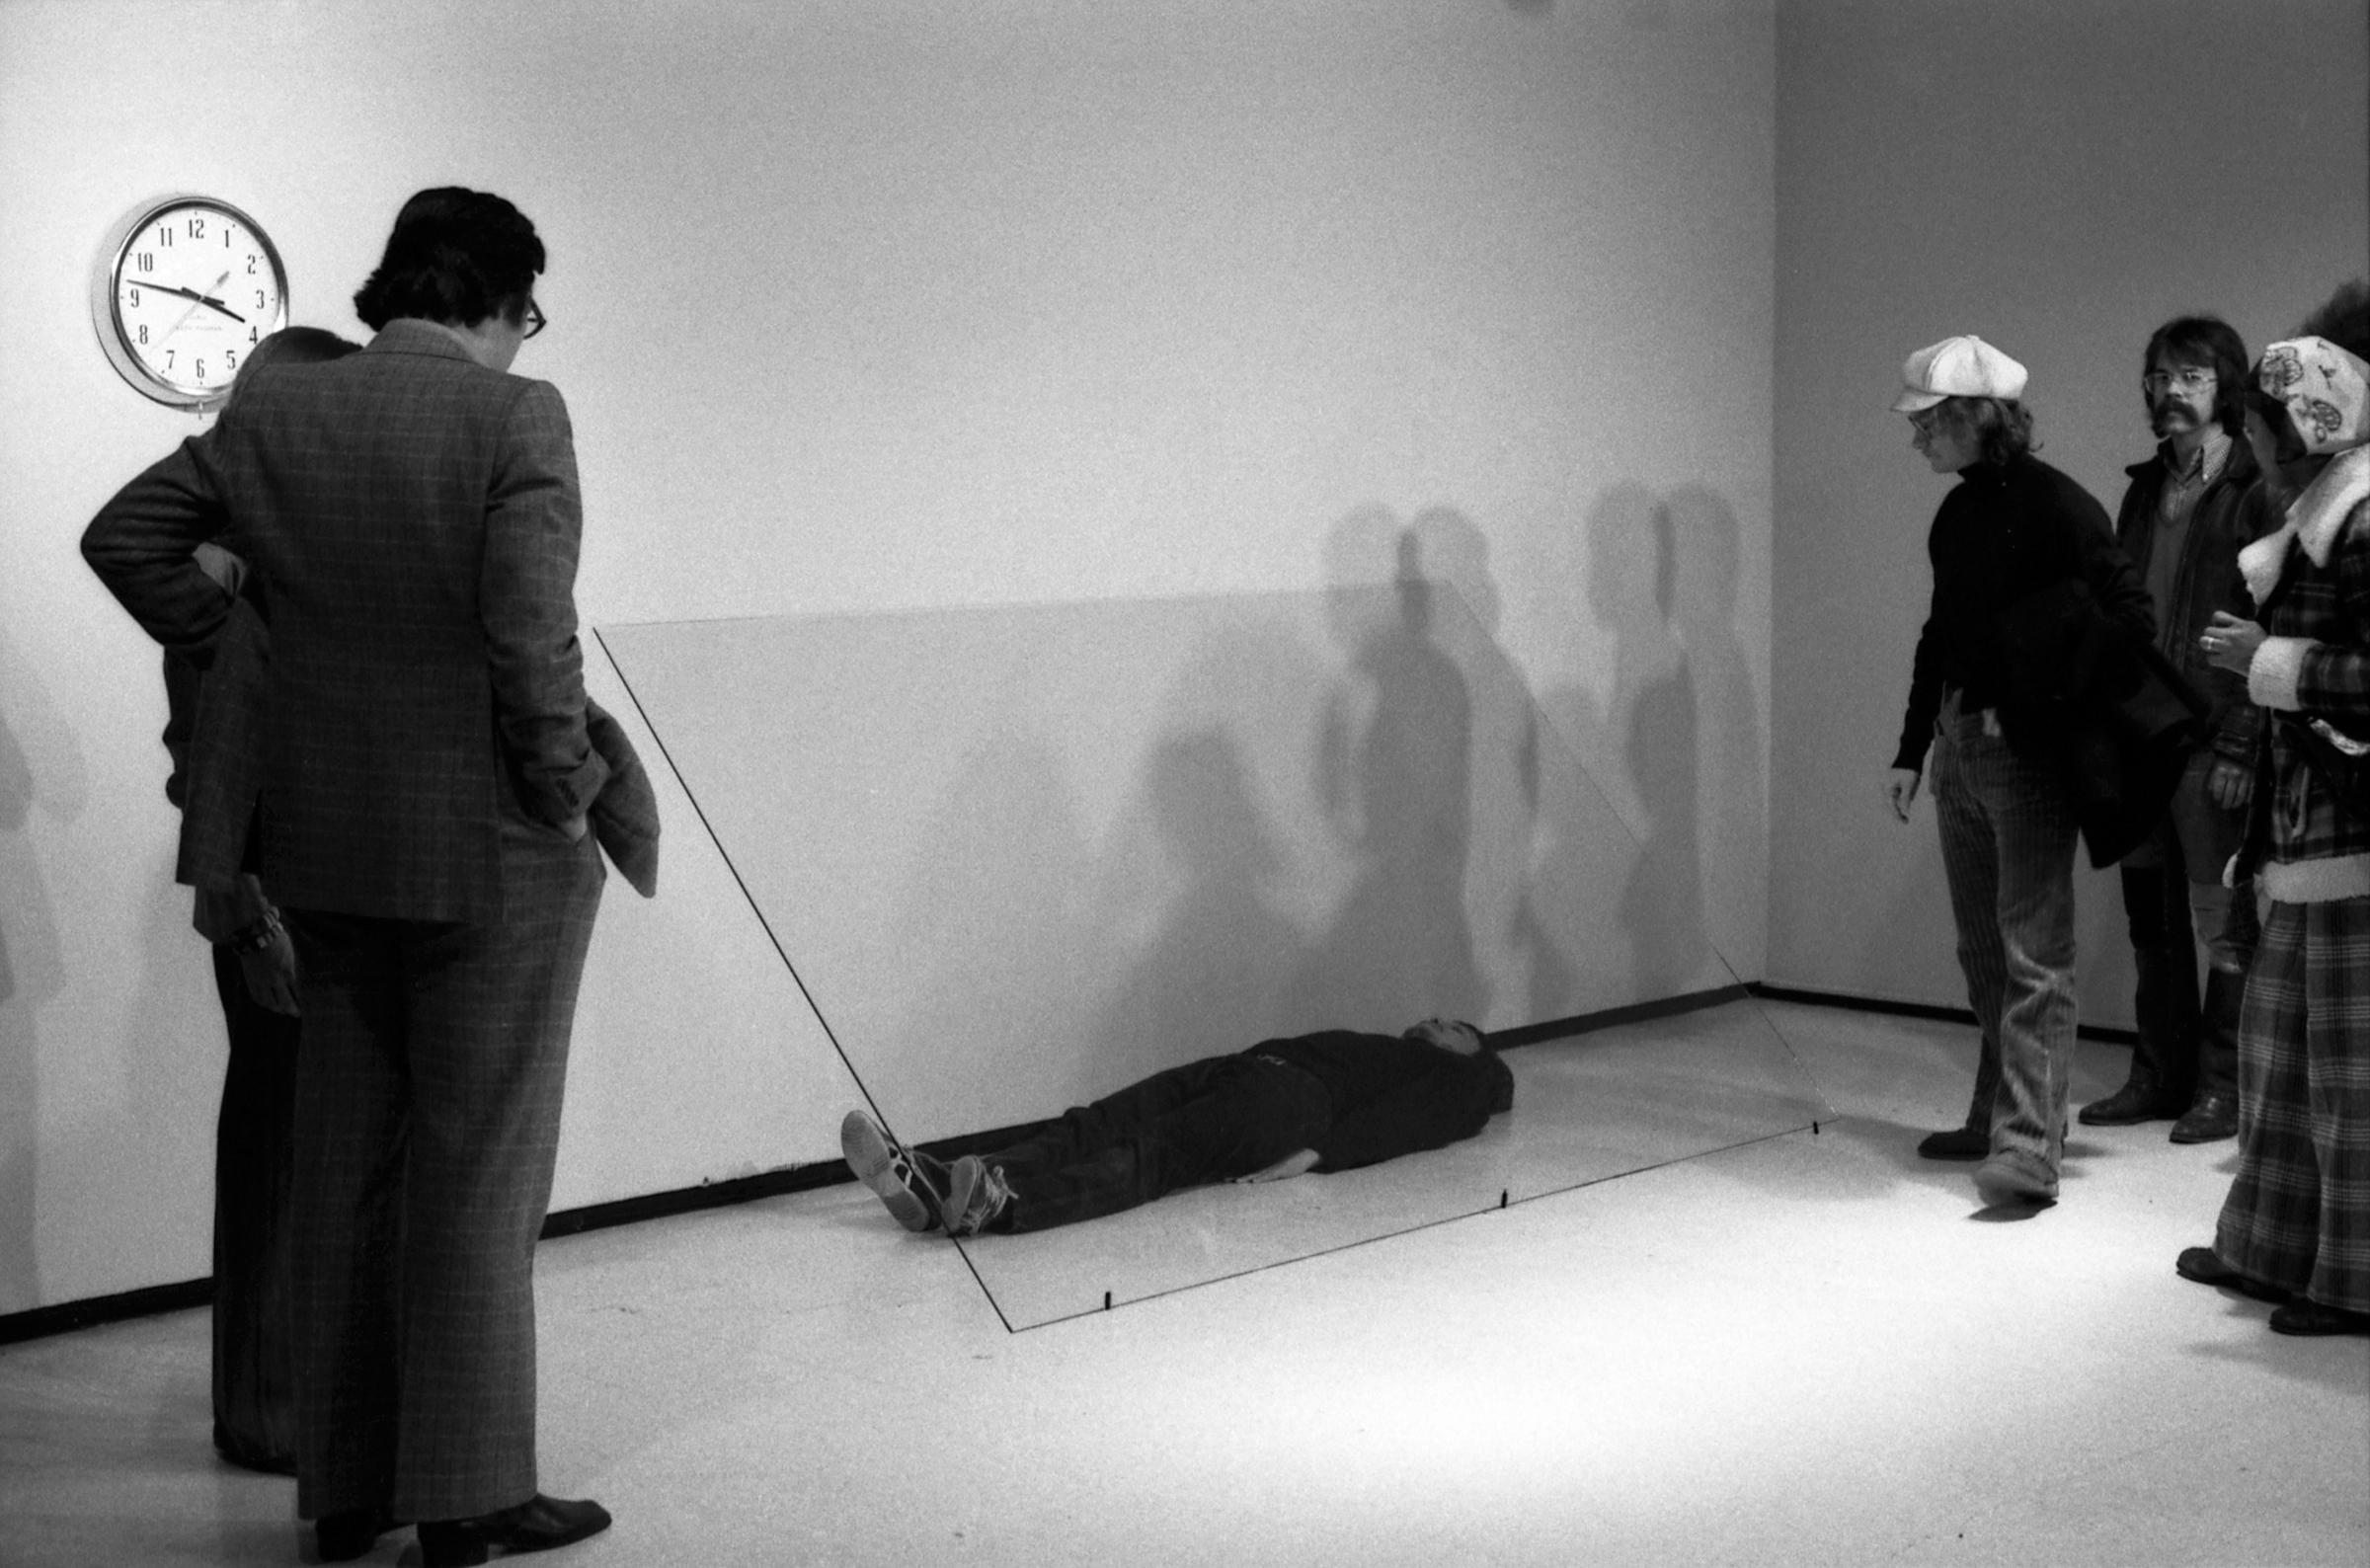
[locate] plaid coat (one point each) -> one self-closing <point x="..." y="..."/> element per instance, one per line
<point x="2315" y="663"/>
<point x="413" y="520"/>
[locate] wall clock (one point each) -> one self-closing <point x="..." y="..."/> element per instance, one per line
<point x="183" y="287"/>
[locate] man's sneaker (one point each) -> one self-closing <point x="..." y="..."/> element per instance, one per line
<point x="910" y="1185"/>
<point x="2006" y="1181"/>
<point x="976" y="1194"/>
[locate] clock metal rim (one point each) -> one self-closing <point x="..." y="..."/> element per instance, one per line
<point x="106" y="294"/>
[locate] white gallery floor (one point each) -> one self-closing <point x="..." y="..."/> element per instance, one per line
<point x="1802" y="1349"/>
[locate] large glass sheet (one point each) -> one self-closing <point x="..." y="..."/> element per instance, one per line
<point x="1019" y="857"/>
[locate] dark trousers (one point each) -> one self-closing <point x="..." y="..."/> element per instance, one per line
<point x="427" y="1118"/>
<point x="254" y="1392"/>
<point x="2172" y="897"/>
<point x="1205" y="1122"/>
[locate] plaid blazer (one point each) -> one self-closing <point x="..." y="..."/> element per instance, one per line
<point x="413" y="521"/>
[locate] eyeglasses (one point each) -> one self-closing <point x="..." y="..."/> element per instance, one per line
<point x="536" y="321"/>
<point x="2191" y="379"/>
<point x="1927" y="422"/>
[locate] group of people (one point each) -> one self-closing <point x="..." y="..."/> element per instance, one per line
<point x="396" y="797"/>
<point x="2185" y="691"/>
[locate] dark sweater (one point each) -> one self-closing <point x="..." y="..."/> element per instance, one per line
<point x="2005" y="533"/>
<point x="1393" y="1096"/>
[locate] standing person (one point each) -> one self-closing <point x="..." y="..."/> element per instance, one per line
<point x="2186" y="515"/>
<point x="413" y="520"/>
<point x="214" y="697"/>
<point x="2012" y="529"/>
<point x="2296" y="1224"/>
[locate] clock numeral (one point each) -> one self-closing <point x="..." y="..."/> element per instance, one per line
<point x="168" y="359"/>
<point x="230" y="360"/>
<point x="201" y="366"/>
<point x="143" y="332"/>
<point x="228" y="229"/>
<point x="250" y="335"/>
<point x="251" y="266"/>
<point x="197" y="228"/>
<point x="164" y="235"/>
<point x="135" y="299"/>
<point x="147" y="260"/>
<point x="259" y="299"/>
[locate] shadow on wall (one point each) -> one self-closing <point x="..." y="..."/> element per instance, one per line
<point x="39" y="765"/>
<point x="1674" y="736"/>
<point x="1393" y="776"/>
<point x="1212" y="960"/>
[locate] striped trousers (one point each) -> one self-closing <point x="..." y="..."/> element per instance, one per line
<point x="427" y="1119"/>
<point x="2009" y="834"/>
<point x="2298" y="1214"/>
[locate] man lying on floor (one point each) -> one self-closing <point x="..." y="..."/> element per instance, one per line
<point x="1324" y="1102"/>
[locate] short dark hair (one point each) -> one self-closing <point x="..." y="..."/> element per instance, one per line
<point x="2212" y="344"/>
<point x="455" y="255"/>
<point x="2344" y="319"/>
<point x="2003" y="427"/>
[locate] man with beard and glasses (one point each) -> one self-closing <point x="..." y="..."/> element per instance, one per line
<point x="2188" y="512"/>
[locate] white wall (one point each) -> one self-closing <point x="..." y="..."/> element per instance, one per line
<point x="2059" y="178"/>
<point x="867" y="308"/>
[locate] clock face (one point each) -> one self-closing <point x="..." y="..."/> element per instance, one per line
<point x="185" y="289"/>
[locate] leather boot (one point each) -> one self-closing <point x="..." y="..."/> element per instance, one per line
<point x="2215" y="1116"/>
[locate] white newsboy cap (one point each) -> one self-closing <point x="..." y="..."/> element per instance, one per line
<point x="1960" y="367"/>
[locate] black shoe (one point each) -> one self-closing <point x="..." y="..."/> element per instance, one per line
<point x="537" y="1525"/>
<point x="2205" y="1266"/>
<point x="2212" y="1118"/>
<point x="2311" y="1317"/>
<point x="1960" y="1142"/>
<point x="349" y="1532"/>
<point x="2140" y="1100"/>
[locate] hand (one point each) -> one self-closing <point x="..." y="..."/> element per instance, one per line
<point x="271" y="971"/>
<point x="2230" y="643"/>
<point x="1290" y="1165"/>
<point x="2230" y="785"/>
<point x="1900" y="790"/>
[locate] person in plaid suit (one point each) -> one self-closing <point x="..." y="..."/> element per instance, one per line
<point x="2295" y="1227"/>
<point x="424" y="773"/>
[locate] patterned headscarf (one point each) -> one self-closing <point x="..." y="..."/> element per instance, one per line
<point x="2325" y="389"/>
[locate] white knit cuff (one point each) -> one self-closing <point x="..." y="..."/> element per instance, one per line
<point x="2316" y="880"/>
<point x="2277" y="667"/>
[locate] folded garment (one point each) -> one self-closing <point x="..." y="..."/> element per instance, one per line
<point x="625" y="813"/>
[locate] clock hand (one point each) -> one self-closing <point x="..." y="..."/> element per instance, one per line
<point x="203" y="299"/>
<point x="200" y="299"/>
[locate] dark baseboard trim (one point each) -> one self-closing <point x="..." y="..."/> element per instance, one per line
<point x="68" y="1316"/>
<point x="1950" y="1015"/>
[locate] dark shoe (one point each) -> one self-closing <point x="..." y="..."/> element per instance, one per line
<point x="537" y="1525"/>
<point x="2140" y="1100"/>
<point x="910" y="1185"/>
<point x="2213" y="1118"/>
<point x="349" y="1532"/>
<point x="2205" y="1266"/>
<point x="2311" y="1317"/>
<point x="1960" y="1142"/>
<point x="977" y="1194"/>
<point x="2005" y="1181"/>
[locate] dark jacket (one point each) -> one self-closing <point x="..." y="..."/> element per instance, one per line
<point x="2003" y="533"/>
<point x="2227" y="518"/>
<point x="1392" y="1095"/>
